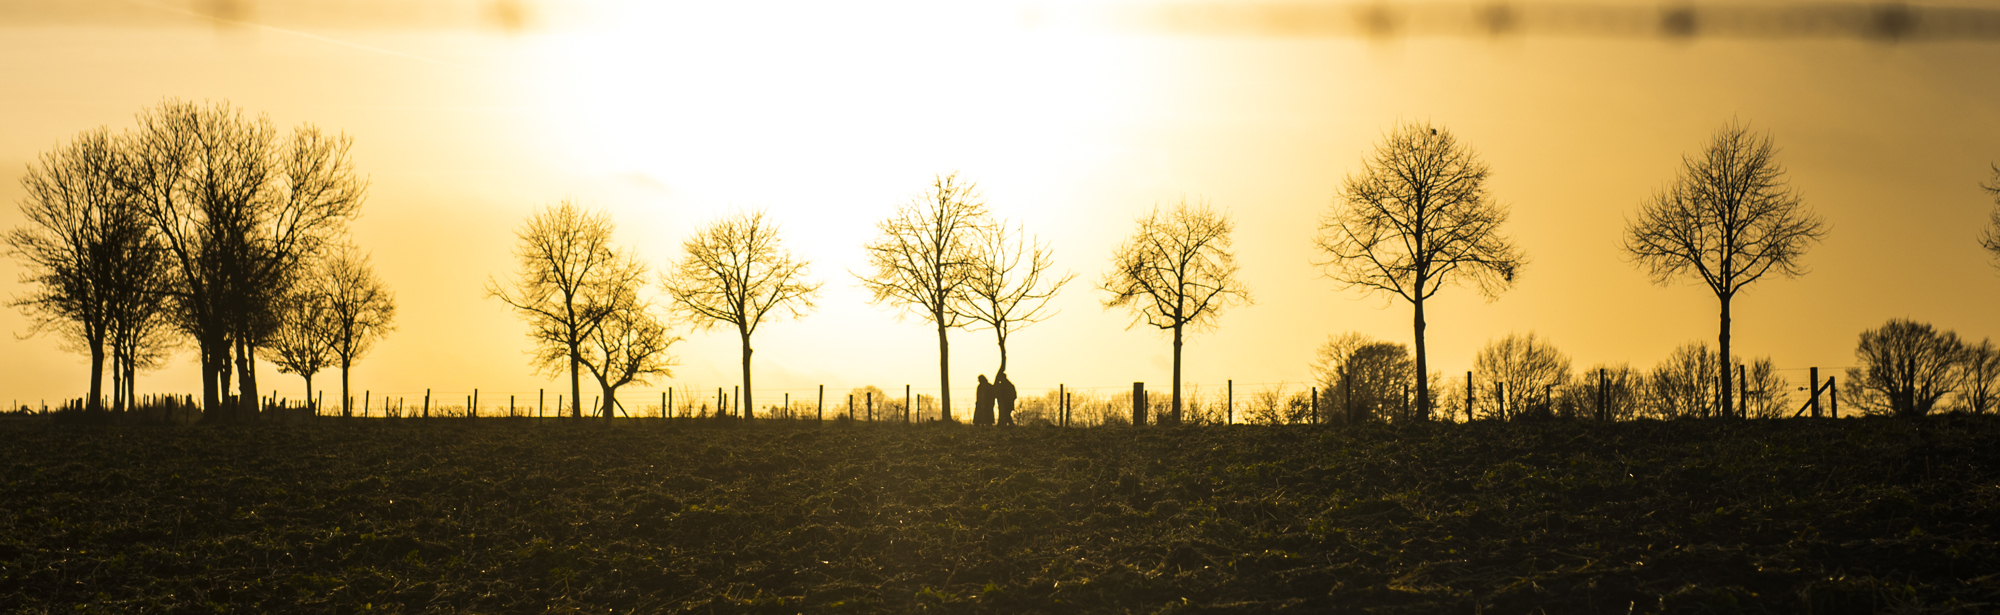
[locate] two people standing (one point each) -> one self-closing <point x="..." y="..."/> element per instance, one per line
<point x="1000" y="391"/>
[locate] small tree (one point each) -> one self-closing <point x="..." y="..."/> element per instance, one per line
<point x="298" y="345"/>
<point x="1979" y="374"/>
<point x="360" y="310"/>
<point x="736" y="272"/>
<point x="571" y="280"/>
<point x="1906" y="367"/>
<point x="629" y="346"/>
<point x="1176" y="270"/>
<point x="1729" y="219"/>
<point x="1684" y="384"/>
<point x="925" y="260"/>
<point x="1417" y="218"/>
<point x="1362" y="378"/>
<point x="1529" y="366"/>
<point x="1768" y="394"/>
<point x="1012" y="285"/>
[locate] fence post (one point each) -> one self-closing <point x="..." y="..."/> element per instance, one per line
<point x="474" y="410"/>
<point x="1742" y="394"/>
<point x="1603" y="394"/>
<point x="364" y="403"/>
<point x="1833" y="395"/>
<point x="1500" y="390"/>
<point x="427" y="403"/>
<point x="1138" y="404"/>
<point x="850" y="406"/>
<point x="670" y="402"/>
<point x="1814" y="375"/>
<point x="871" y="405"/>
<point x="819" y="409"/>
<point x="1468" y="396"/>
<point x="510" y="406"/>
<point x="1315" y="406"/>
<point x="541" y="398"/>
<point x="1062" y="406"/>
<point x="1230" y="416"/>
<point x="906" y="403"/>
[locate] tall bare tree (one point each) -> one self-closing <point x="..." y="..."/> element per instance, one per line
<point x="240" y="210"/>
<point x="1415" y="219"/>
<point x="1013" y="284"/>
<point x="360" y="310"/>
<point x="1729" y="219"/>
<point x="570" y="281"/>
<point x="298" y="345"/>
<point x="82" y="230"/>
<point x="1176" y="271"/>
<point x="737" y="272"/>
<point x="629" y="346"/>
<point x="925" y="259"/>
<point x="1906" y="367"/>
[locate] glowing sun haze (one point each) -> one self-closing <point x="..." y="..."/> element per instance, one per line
<point x="668" y="115"/>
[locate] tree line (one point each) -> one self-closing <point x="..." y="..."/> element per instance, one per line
<point x="203" y="225"/>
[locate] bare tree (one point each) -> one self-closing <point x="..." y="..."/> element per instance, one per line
<point x="1530" y="368"/>
<point x="1176" y="270"/>
<point x="1768" y="394"/>
<point x="925" y="260"/>
<point x="737" y="272"/>
<point x="1418" y="217"/>
<point x="1367" y="379"/>
<point x="360" y="310"/>
<point x="629" y="346"/>
<point x="1906" y="367"/>
<point x="82" y="228"/>
<point x="298" y="345"/>
<point x="240" y="211"/>
<point x="1682" y="386"/>
<point x="571" y="280"/>
<point x="1979" y="373"/>
<point x="1013" y="284"/>
<point x="1729" y="219"/>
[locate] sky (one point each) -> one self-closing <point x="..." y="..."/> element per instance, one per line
<point x="469" y="115"/>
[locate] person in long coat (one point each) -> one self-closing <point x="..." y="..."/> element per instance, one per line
<point x="982" y="410"/>
<point x="1003" y="391"/>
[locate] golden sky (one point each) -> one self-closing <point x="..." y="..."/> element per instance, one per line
<point x="468" y="115"/>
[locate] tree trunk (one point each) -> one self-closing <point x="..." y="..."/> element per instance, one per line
<point x="246" y="377"/>
<point x="309" y="393"/>
<point x="1177" y="374"/>
<point x="1726" y="408"/>
<point x="944" y="371"/>
<point x="575" y="388"/>
<point x="1423" y="361"/>
<point x="346" y="403"/>
<point x="96" y="401"/>
<point x="610" y="399"/>
<point x="223" y="410"/>
<point x="1002" y="337"/>
<point x="749" y="410"/>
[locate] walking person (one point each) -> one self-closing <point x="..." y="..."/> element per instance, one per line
<point x="982" y="410"/>
<point x="1003" y="391"/>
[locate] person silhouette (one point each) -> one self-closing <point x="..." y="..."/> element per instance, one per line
<point x="982" y="410"/>
<point x="1003" y="391"/>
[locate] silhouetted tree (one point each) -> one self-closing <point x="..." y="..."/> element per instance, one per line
<point x="1418" y="217"/>
<point x="1683" y="385"/>
<point x="85" y="250"/>
<point x="737" y="272"/>
<point x="360" y="310"/>
<point x="1012" y="285"/>
<point x="299" y="344"/>
<point x="1768" y="394"/>
<point x="1622" y="395"/>
<point x="1729" y="219"/>
<point x="925" y="260"/>
<point x="1362" y="378"/>
<point x="571" y="281"/>
<point x="1979" y="372"/>
<point x="240" y="210"/>
<point x="1906" y="367"/>
<point x="1529" y="366"/>
<point x="1176" y="270"/>
<point x="630" y="345"/>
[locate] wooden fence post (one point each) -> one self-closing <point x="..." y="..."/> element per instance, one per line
<point x="906" y="403"/>
<point x="1742" y="394"/>
<point x="1230" y="406"/>
<point x="1468" y="396"/>
<point x="1814" y="375"/>
<point x="1315" y="406"/>
<point x="1138" y="404"/>
<point x="1500" y="390"/>
<point x="473" y="411"/>
<point x="541" y="399"/>
<point x="427" y="403"/>
<point x="819" y="409"/>
<point x="1062" y="406"/>
<point x="850" y="406"/>
<point x="871" y="405"/>
<point x="1833" y="395"/>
